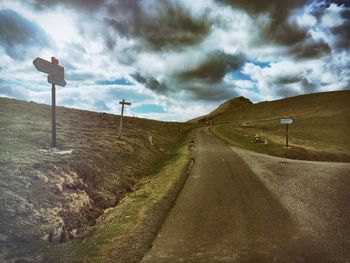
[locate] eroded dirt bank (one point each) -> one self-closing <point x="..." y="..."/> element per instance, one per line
<point x="50" y="198"/>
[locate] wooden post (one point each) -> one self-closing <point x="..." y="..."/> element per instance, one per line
<point x="53" y="110"/>
<point x="287" y="135"/>
<point x="53" y="113"/>
<point x="123" y="102"/>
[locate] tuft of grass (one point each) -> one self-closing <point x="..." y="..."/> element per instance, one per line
<point x="301" y="145"/>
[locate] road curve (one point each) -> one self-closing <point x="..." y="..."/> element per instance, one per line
<point x="225" y="214"/>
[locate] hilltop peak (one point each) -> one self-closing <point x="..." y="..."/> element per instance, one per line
<point x="234" y="103"/>
<point x="239" y="99"/>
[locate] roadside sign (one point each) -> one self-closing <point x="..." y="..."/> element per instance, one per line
<point x="56" y="76"/>
<point x="286" y="121"/>
<point x="56" y="80"/>
<point x="48" y="67"/>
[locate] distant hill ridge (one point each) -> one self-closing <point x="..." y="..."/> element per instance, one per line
<point x="241" y="108"/>
<point x="320" y="129"/>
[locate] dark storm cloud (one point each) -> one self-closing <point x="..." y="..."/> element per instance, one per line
<point x="342" y="32"/>
<point x="284" y="89"/>
<point x="165" y="25"/>
<point x="158" y="24"/>
<point x="310" y="49"/>
<point x="151" y="83"/>
<point x="203" y="82"/>
<point x="339" y="2"/>
<point x="210" y="92"/>
<point x="279" y="29"/>
<point x="287" y="80"/>
<point x="88" y="5"/>
<point x="213" y="69"/>
<point x="308" y="87"/>
<point x="19" y="34"/>
<point x="286" y="92"/>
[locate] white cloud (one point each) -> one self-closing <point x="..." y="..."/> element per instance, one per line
<point x="80" y="41"/>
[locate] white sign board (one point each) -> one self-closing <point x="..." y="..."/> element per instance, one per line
<point x="48" y="67"/>
<point x="56" y="80"/>
<point x="286" y="121"/>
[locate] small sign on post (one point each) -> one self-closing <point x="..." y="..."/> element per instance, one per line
<point x="287" y="122"/>
<point x="123" y="102"/>
<point x="56" y="76"/>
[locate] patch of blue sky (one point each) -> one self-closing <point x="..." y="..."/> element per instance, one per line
<point x="148" y="108"/>
<point x="255" y="89"/>
<point x="261" y="64"/>
<point x="238" y="75"/>
<point x="120" y="81"/>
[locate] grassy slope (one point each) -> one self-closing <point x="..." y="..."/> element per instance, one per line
<point x="41" y="193"/>
<point x="320" y="131"/>
<point x="124" y="233"/>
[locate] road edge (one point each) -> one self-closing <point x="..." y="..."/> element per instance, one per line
<point x="126" y="232"/>
<point x="140" y="241"/>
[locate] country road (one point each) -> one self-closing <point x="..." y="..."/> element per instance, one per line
<point x="227" y="212"/>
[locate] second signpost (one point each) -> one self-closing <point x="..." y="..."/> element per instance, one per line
<point x="123" y="102"/>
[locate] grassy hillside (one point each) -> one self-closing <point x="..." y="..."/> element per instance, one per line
<point x="320" y="131"/>
<point x="52" y="197"/>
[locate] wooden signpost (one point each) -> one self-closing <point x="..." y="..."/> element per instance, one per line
<point x="56" y="76"/>
<point x="287" y="122"/>
<point x="123" y="102"/>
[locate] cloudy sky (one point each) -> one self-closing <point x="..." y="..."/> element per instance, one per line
<point x="174" y="59"/>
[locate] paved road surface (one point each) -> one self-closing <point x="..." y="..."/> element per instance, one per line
<point x="225" y="214"/>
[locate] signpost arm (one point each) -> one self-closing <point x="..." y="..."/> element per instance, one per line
<point x="53" y="112"/>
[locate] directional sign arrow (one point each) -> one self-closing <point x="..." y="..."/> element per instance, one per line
<point x="48" y="67"/>
<point x="286" y="121"/>
<point x="56" y="80"/>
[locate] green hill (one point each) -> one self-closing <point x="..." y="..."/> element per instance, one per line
<point x="320" y="130"/>
<point x="52" y="197"/>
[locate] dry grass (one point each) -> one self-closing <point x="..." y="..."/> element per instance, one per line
<point x="41" y="193"/>
<point x="320" y="130"/>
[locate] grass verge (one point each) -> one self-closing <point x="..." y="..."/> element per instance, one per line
<point x="124" y="233"/>
<point x="238" y="137"/>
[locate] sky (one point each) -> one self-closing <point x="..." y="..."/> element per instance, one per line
<point x="175" y="59"/>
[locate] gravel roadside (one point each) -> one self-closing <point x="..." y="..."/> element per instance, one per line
<point x="316" y="194"/>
